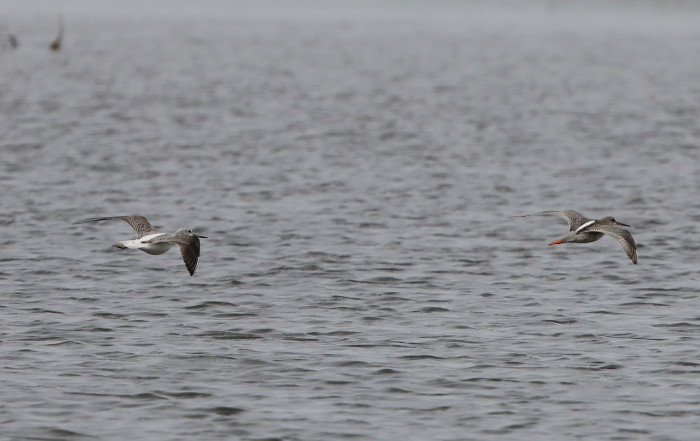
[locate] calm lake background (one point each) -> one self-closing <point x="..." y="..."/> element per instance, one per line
<point x="354" y="165"/>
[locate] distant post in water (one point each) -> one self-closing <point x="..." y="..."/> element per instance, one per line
<point x="55" y="45"/>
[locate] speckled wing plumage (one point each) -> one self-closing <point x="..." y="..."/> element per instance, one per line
<point x="189" y="247"/>
<point x="622" y="236"/>
<point x="574" y="218"/>
<point x="139" y="223"/>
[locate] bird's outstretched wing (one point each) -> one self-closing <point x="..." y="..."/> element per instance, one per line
<point x="622" y="236"/>
<point x="139" y="223"/>
<point x="189" y="247"/>
<point x="574" y="218"/>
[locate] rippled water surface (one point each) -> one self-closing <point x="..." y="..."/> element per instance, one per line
<point x="354" y="166"/>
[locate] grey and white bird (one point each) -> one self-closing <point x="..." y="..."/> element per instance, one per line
<point x="585" y="230"/>
<point x="152" y="241"/>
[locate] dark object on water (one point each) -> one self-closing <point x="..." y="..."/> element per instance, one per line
<point x="8" y="40"/>
<point x="56" y="44"/>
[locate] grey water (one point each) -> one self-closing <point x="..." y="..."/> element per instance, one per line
<point x="354" y="165"/>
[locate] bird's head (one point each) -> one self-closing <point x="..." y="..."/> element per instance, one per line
<point x="188" y="231"/>
<point x="609" y="220"/>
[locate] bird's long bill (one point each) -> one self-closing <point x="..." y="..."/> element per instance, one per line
<point x="202" y="237"/>
<point x="620" y="223"/>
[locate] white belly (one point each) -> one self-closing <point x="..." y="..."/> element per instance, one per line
<point x="156" y="248"/>
<point x="150" y="248"/>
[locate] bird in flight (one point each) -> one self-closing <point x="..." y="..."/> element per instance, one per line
<point x="585" y="230"/>
<point x="152" y="241"/>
